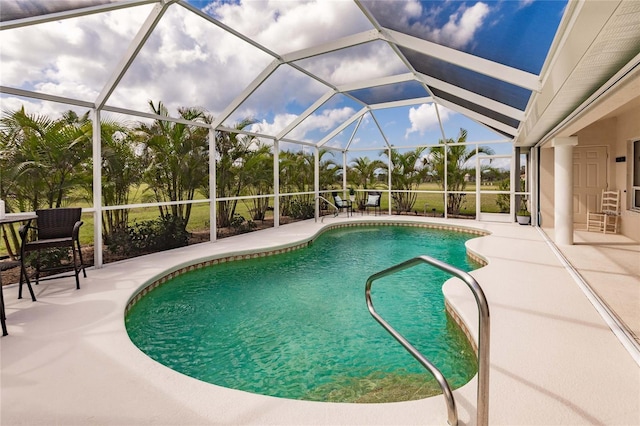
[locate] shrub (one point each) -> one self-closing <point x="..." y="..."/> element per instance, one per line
<point x="503" y="201"/>
<point x="149" y="236"/>
<point x="50" y="258"/>
<point x="241" y="225"/>
<point x="302" y="210"/>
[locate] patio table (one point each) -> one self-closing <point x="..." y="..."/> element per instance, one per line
<point x="17" y="218"/>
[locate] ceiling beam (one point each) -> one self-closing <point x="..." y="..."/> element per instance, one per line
<point x="152" y="116"/>
<point x="483" y="66"/>
<point x="343" y="126"/>
<point x="374" y="82"/>
<point x="384" y="136"/>
<point x="252" y="87"/>
<point x="459" y="92"/>
<point x="44" y="97"/>
<point x="406" y="102"/>
<point x="74" y="13"/>
<point x="341" y="43"/>
<point x="132" y="52"/>
<point x="299" y="119"/>
<point x="482" y="119"/>
<point x="353" y="134"/>
<point x="228" y="29"/>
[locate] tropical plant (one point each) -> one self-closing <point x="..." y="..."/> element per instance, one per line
<point x="232" y="151"/>
<point x="407" y="173"/>
<point x="257" y="174"/>
<point x="523" y="209"/>
<point x="43" y="160"/>
<point x="362" y="172"/>
<point x="122" y="170"/>
<point x="457" y="166"/>
<point x="503" y="201"/>
<point x="297" y="175"/>
<point x="330" y="171"/>
<point x="148" y="236"/>
<point x="176" y="157"/>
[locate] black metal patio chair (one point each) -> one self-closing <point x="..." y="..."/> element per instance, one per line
<point x="342" y="204"/>
<point x="55" y="228"/>
<point x="373" y="200"/>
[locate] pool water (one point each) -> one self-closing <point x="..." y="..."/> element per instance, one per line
<point x="296" y="325"/>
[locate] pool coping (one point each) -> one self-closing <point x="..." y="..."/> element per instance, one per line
<point x="71" y="340"/>
<point x="209" y="261"/>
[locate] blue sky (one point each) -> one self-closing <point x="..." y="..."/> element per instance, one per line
<point x="189" y="62"/>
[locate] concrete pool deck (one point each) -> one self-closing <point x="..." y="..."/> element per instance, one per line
<point x="554" y="360"/>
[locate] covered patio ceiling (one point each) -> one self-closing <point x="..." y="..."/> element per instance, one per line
<point x="346" y="75"/>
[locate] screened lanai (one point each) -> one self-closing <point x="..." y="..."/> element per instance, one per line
<point x="174" y="122"/>
<point x="230" y="115"/>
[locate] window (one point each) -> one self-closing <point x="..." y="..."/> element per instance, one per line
<point x="635" y="166"/>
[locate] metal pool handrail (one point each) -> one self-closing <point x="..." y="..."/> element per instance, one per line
<point x="483" y="336"/>
<point x="320" y="197"/>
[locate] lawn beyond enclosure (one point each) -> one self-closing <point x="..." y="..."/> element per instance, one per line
<point x="429" y="204"/>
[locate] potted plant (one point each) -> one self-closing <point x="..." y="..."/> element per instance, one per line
<point x="352" y="194"/>
<point x="523" y="216"/>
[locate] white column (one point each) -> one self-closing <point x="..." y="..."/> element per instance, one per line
<point x="344" y="170"/>
<point x="276" y="183"/>
<point x="563" y="188"/>
<point x="316" y="180"/>
<point x="97" y="188"/>
<point x="213" y="187"/>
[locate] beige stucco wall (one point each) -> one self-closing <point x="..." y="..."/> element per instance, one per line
<point x="616" y="133"/>
<point x="628" y="129"/>
<point x="546" y="188"/>
<point x="603" y="133"/>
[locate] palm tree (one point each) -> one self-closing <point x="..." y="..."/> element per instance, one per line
<point x="407" y="174"/>
<point x="458" y="157"/>
<point x="176" y="158"/>
<point x="257" y="174"/>
<point x="296" y="175"/>
<point x="121" y="170"/>
<point x="362" y="171"/>
<point x="231" y="149"/>
<point x="330" y="172"/>
<point x="44" y="160"/>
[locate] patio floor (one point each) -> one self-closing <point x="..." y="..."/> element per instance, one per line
<point x="554" y="359"/>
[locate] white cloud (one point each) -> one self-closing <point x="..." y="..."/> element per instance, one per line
<point x="412" y="9"/>
<point x="458" y="31"/>
<point x="462" y="26"/>
<point x="328" y="120"/>
<point x="279" y="122"/>
<point x="187" y="61"/>
<point x="424" y="118"/>
<point x="286" y="26"/>
<point x="366" y="61"/>
<point x="16" y="9"/>
<point x="67" y="55"/>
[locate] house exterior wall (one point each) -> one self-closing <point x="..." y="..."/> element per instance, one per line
<point x="628" y="130"/>
<point x="602" y="133"/>
<point x="547" y="191"/>
<point x="616" y="134"/>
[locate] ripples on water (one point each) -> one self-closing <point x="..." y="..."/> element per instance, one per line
<point x="296" y="325"/>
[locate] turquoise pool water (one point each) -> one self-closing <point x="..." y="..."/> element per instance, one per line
<point x="296" y="325"/>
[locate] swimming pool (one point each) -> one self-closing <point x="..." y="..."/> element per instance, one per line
<point x="296" y="325"/>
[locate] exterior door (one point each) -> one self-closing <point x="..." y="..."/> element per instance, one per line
<point x="589" y="179"/>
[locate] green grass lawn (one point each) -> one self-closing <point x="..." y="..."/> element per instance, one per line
<point x="199" y="219"/>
